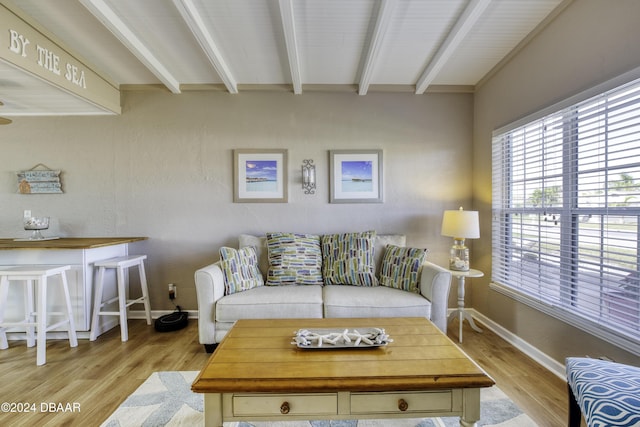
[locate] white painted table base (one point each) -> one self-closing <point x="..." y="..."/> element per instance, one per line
<point x="460" y="313"/>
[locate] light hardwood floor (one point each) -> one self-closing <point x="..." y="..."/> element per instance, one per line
<point x="99" y="375"/>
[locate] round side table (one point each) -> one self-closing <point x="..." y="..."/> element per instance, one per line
<point x="460" y="312"/>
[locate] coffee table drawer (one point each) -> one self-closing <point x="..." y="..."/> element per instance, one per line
<point x="403" y="402"/>
<point x="285" y="404"/>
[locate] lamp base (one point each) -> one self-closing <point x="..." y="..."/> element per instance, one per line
<point x="459" y="256"/>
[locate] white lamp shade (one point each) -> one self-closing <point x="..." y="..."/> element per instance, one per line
<point x="461" y="224"/>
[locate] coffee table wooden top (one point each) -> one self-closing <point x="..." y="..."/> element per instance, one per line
<point x="257" y="356"/>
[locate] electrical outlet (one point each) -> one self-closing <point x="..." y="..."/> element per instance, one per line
<point x="172" y="291"/>
<point x="27" y="213"/>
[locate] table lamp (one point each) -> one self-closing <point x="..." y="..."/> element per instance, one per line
<point x="460" y="225"/>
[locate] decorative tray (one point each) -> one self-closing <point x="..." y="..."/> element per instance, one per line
<point x="340" y="338"/>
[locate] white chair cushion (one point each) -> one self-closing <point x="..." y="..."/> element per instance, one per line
<point x="271" y="302"/>
<point x="379" y="301"/>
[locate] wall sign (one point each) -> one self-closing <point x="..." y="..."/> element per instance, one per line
<point x="27" y="48"/>
<point x="49" y="60"/>
<point x="39" y="181"/>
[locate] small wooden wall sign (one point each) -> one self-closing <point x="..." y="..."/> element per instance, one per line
<point x="39" y="181"/>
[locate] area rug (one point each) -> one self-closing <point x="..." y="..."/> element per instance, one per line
<point x="166" y="399"/>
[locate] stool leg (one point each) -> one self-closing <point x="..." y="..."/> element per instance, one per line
<point x="122" y="302"/>
<point x="73" y="338"/>
<point x="575" y="416"/>
<point x="145" y="291"/>
<point x="4" y="293"/>
<point x="97" y="304"/>
<point x="41" y="350"/>
<point x="29" y="311"/>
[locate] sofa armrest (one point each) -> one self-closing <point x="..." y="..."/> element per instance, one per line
<point x="435" y="284"/>
<point x="209" y="289"/>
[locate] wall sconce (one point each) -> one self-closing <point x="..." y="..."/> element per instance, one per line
<point x="308" y="177"/>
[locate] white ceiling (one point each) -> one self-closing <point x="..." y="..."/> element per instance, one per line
<point x="298" y="45"/>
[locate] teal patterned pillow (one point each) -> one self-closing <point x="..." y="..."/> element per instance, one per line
<point x="348" y="259"/>
<point x="240" y="269"/>
<point x="401" y="267"/>
<point x="294" y="259"/>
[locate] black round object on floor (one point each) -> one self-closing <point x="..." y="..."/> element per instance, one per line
<point x="172" y="322"/>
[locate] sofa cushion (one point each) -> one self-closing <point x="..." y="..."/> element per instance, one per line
<point x="381" y="242"/>
<point x="294" y="259"/>
<point x="379" y="301"/>
<point x="401" y="267"/>
<point x="239" y="269"/>
<point x="271" y="302"/>
<point x="347" y="259"/>
<point x="260" y="244"/>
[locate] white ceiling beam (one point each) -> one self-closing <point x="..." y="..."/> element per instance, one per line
<point x="289" y="28"/>
<point x="465" y="23"/>
<point x="101" y="10"/>
<point x="385" y="11"/>
<point x="196" y="24"/>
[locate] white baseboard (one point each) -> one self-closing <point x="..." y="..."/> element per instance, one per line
<point x="139" y="314"/>
<point x="543" y="359"/>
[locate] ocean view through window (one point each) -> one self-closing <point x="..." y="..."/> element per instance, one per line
<point x="566" y="204"/>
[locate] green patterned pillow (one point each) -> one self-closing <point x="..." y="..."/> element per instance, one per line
<point x="240" y="269"/>
<point x="401" y="267"/>
<point x="294" y="259"/>
<point x="348" y="259"/>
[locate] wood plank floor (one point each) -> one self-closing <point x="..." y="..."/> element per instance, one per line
<point x="99" y="375"/>
<point x="538" y="392"/>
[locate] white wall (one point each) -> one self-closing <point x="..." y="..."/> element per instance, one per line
<point x="163" y="169"/>
<point x="588" y="43"/>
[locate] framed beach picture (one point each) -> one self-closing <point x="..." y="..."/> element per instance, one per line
<point x="260" y="176"/>
<point x="355" y="176"/>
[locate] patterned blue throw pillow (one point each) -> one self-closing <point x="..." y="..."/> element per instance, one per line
<point x="240" y="269"/>
<point x="401" y="267"/>
<point x="348" y="259"/>
<point x="294" y="259"/>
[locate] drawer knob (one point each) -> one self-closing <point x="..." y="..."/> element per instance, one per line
<point x="403" y="405"/>
<point x="284" y="408"/>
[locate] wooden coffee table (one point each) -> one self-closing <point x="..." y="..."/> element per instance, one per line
<point x="256" y="374"/>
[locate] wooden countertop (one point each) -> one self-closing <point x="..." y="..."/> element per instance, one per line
<point x="67" y="243"/>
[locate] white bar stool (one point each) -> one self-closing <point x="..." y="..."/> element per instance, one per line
<point x="119" y="263"/>
<point x="28" y="274"/>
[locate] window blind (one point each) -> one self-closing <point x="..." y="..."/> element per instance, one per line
<point x="566" y="204"/>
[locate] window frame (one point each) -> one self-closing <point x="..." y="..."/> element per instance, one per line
<point x="569" y="213"/>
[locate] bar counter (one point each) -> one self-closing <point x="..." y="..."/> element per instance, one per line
<point x="67" y="243"/>
<point x="78" y="252"/>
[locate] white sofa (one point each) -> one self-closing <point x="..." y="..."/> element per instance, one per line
<point x="218" y="312"/>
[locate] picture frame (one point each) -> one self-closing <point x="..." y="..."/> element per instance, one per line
<point x="355" y="176"/>
<point x="260" y="176"/>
